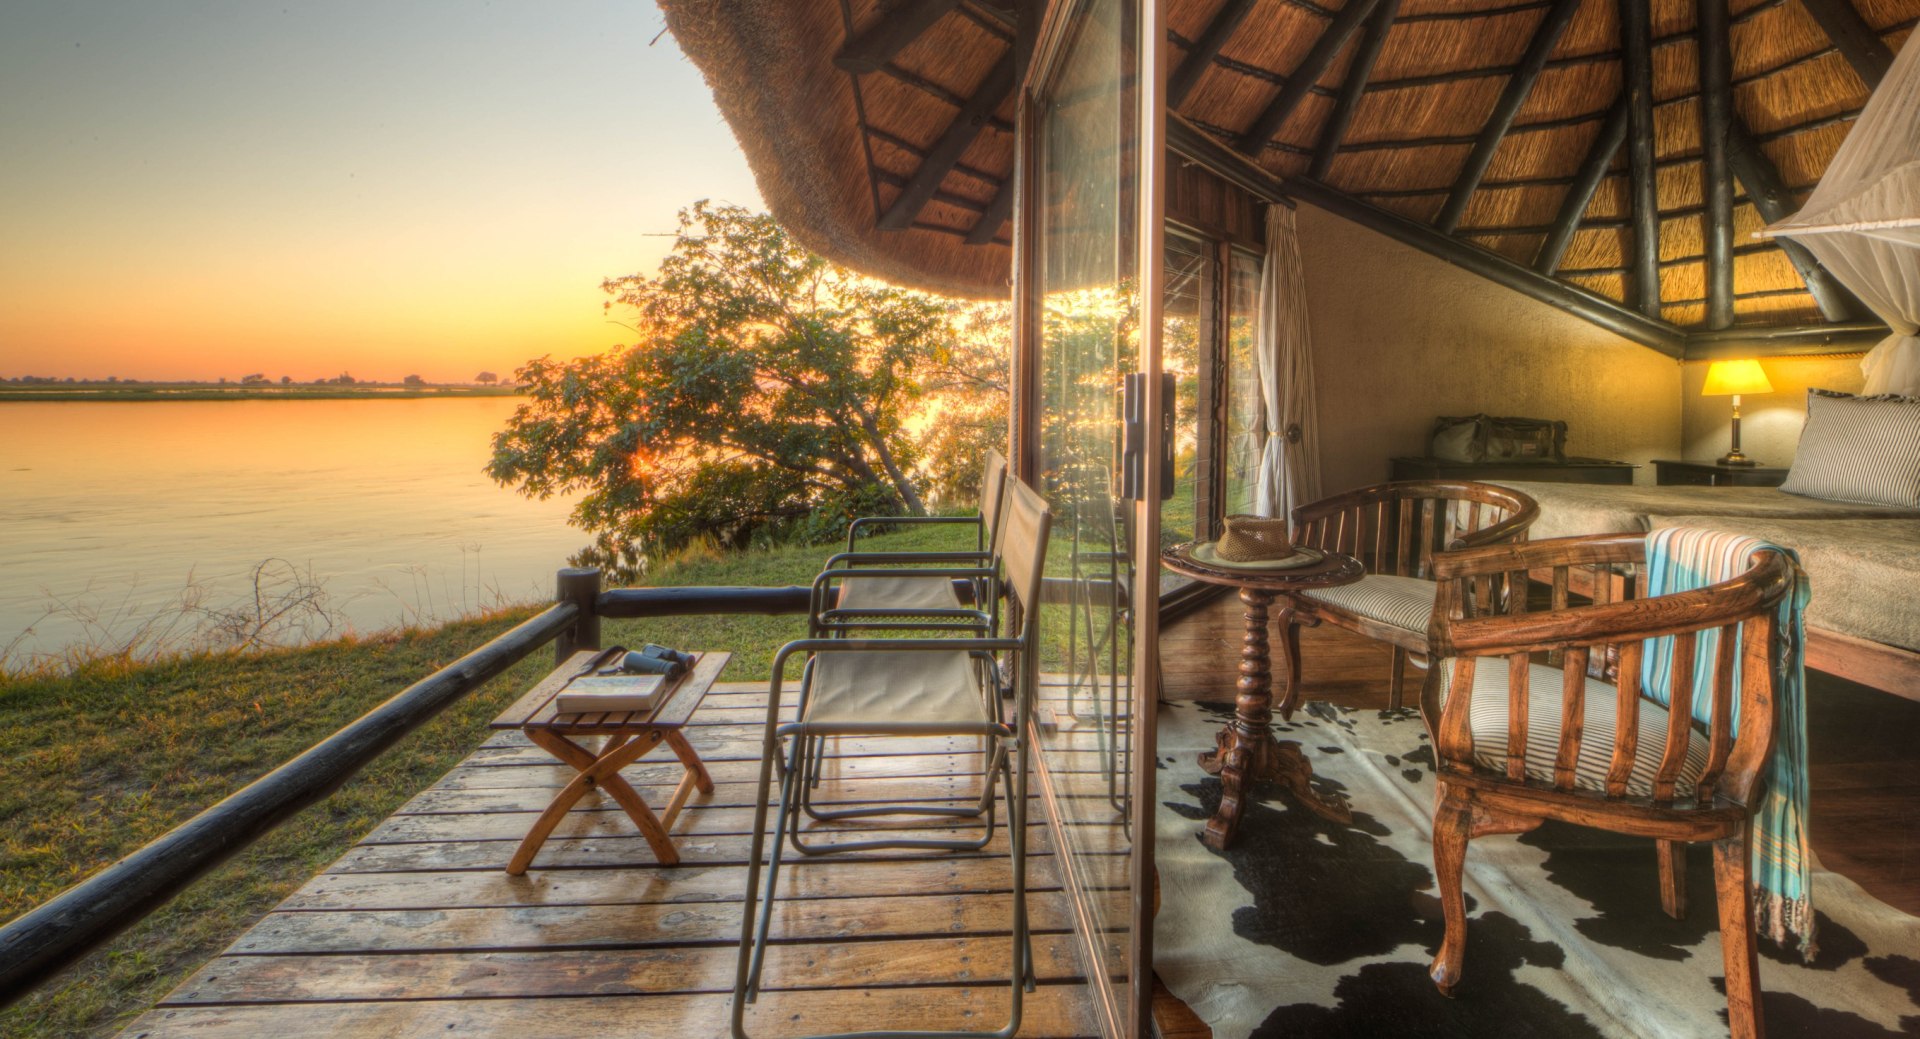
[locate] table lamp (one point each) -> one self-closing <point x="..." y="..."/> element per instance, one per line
<point x="1733" y="378"/>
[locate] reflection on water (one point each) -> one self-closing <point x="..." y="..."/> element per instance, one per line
<point x="110" y="511"/>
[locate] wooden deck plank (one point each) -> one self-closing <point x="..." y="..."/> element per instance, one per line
<point x="607" y="972"/>
<point x="1052" y="1012"/>
<point x="417" y="930"/>
<point x="668" y="770"/>
<point x="638" y="926"/>
<point x="742" y="743"/>
<point x="450" y="890"/>
<point x="598" y="819"/>
<point x="609" y="853"/>
<point x="438" y="801"/>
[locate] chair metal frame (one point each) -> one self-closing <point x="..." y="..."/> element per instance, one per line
<point x="825" y="616"/>
<point x="786" y="750"/>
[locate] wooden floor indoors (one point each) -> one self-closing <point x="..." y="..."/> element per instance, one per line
<point x="418" y="931"/>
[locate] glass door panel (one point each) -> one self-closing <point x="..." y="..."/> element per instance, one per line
<point x="1086" y="309"/>
<point x="1186" y="341"/>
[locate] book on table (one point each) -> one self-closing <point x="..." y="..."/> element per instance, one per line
<point x="597" y="694"/>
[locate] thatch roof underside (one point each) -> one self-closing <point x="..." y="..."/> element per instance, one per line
<point x="1507" y="124"/>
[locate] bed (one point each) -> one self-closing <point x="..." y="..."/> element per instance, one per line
<point x="1863" y="560"/>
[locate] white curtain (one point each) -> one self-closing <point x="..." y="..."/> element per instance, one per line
<point x="1863" y="221"/>
<point x="1290" y="463"/>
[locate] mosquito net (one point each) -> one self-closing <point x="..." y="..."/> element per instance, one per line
<point x="1863" y="221"/>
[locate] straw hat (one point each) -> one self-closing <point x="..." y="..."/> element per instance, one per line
<point x="1254" y="539"/>
<point x="1255" y="543"/>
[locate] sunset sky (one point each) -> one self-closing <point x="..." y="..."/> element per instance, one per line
<point x="195" y="189"/>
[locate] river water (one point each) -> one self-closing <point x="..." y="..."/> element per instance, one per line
<point x="142" y="524"/>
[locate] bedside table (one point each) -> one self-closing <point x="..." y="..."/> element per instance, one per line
<point x="1670" y="473"/>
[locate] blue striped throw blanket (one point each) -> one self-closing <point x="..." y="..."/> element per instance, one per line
<point x="1681" y="559"/>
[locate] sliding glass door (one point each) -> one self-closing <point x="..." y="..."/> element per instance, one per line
<point x="1092" y="445"/>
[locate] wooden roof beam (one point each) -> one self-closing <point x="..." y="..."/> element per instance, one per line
<point x="1774" y="201"/>
<point x="872" y="49"/>
<point x="940" y="160"/>
<point x="1593" y="170"/>
<point x="1853" y="37"/>
<point x="1205" y="49"/>
<point x="1332" y="40"/>
<point x="1716" y="117"/>
<point x="1354" y="88"/>
<point x="1636" y="47"/>
<point x="1545" y="39"/>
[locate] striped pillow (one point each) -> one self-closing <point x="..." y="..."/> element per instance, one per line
<point x="1864" y="449"/>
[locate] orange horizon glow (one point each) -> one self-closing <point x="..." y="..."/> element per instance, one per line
<point x="208" y="188"/>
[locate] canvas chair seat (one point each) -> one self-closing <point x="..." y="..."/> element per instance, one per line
<point x="902" y="593"/>
<point x="929" y="691"/>
<point x="1545" y="708"/>
<point x="1403" y="602"/>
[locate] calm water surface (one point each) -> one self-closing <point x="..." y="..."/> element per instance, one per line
<point x="110" y="512"/>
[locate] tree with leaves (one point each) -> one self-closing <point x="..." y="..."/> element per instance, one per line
<point x="768" y="392"/>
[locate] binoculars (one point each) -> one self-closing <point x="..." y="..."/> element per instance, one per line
<point x="656" y="660"/>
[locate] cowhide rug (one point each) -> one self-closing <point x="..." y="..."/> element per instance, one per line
<point x="1308" y="928"/>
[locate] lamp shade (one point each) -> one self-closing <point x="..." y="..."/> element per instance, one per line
<point x="1725" y="378"/>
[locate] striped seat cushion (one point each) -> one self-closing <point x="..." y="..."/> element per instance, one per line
<point x="1404" y="602"/>
<point x="1489" y="717"/>
<point x="1864" y="449"/>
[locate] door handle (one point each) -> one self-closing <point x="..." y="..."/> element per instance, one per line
<point x="1133" y="448"/>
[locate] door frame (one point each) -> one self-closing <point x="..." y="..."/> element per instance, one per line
<point x="1131" y="1015"/>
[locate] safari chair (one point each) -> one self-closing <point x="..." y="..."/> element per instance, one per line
<point x="906" y="687"/>
<point x="1518" y="741"/>
<point x="896" y="590"/>
<point x="1394" y="529"/>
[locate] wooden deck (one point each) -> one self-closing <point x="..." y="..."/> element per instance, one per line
<point x="418" y="930"/>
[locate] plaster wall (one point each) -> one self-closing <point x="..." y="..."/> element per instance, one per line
<point x="1400" y="337"/>
<point x="1770" y="422"/>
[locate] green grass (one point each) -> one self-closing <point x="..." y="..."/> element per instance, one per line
<point x="96" y="763"/>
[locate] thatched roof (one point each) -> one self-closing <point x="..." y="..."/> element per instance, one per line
<point x="1505" y="124"/>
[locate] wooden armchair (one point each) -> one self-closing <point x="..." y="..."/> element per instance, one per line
<point x="1518" y="741"/>
<point x="1394" y="529"/>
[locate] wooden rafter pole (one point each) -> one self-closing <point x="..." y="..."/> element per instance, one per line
<point x="1853" y="37"/>
<point x="1332" y="40"/>
<point x="1716" y="120"/>
<point x="1205" y="49"/>
<point x="966" y="125"/>
<point x="1636" y="48"/>
<point x="988" y="226"/>
<point x="1593" y="170"/>
<point x="1026" y="16"/>
<point x="1519" y="85"/>
<point x="1774" y="201"/>
<point x="885" y="38"/>
<point x="1358" y="73"/>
